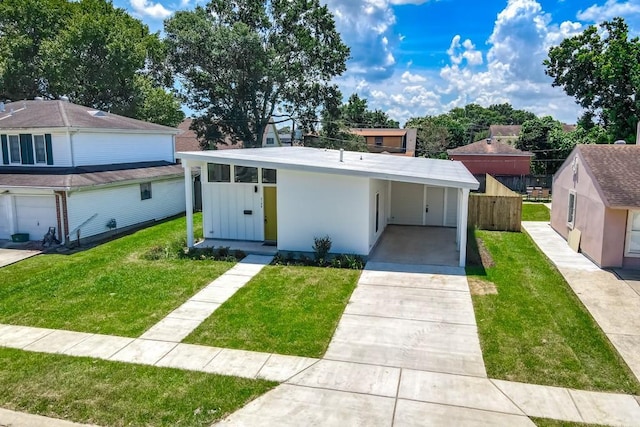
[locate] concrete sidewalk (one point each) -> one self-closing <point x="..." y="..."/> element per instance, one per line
<point x="612" y="302"/>
<point x="10" y="256"/>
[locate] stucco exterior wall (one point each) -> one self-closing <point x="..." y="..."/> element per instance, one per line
<point x="316" y="204"/>
<point x="590" y="209"/>
<point x="613" y="237"/>
<point x="124" y="205"/>
<point x="496" y="165"/>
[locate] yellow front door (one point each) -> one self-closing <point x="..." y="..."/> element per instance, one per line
<point x="270" y="214"/>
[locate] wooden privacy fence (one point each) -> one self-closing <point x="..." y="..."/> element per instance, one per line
<point x="499" y="209"/>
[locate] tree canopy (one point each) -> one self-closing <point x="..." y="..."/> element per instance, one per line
<point x="239" y="60"/>
<point x="90" y="51"/>
<point x="460" y="126"/>
<point x="601" y="68"/>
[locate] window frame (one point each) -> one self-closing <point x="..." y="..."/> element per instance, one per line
<point x="225" y="172"/>
<point x="630" y="231"/>
<point x="245" y="171"/>
<point x="35" y="151"/>
<point x="17" y="140"/>
<point x="270" y="141"/>
<point x="146" y="193"/>
<point x="572" y="203"/>
<point x="378" y="140"/>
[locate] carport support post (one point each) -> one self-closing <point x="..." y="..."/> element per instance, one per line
<point x="464" y="213"/>
<point x="188" y="188"/>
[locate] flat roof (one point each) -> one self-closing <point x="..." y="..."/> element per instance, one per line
<point x="442" y="173"/>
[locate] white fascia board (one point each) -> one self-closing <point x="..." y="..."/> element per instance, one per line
<point x="471" y="183"/>
<point x="90" y="130"/>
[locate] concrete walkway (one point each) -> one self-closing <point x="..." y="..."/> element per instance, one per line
<point x="10" y="256"/>
<point x="612" y="302"/>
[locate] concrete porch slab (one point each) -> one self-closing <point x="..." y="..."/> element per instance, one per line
<point x="455" y="390"/>
<point x="188" y="356"/>
<point x="146" y="352"/>
<point x="428" y="346"/>
<point x="433" y="305"/>
<point x="541" y="401"/>
<point x="58" y="341"/>
<point x="289" y="405"/>
<point x="280" y="367"/>
<point x="99" y="346"/>
<point x="352" y="377"/>
<point x="377" y="274"/>
<point x="10" y="418"/>
<point x="11" y="256"/>
<point x="419" y="414"/>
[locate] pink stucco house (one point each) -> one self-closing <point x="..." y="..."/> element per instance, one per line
<point x="597" y="191"/>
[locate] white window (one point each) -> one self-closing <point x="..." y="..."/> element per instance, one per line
<point x="571" y="209"/>
<point x="14" y="149"/>
<point x="633" y="234"/>
<point x="40" y="149"/>
<point x="270" y="141"/>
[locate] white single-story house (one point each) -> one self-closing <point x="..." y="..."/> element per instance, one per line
<point x="290" y="195"/>
<point x="84" y="172"/>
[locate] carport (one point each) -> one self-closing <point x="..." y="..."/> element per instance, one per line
<point x="351" y="197"/>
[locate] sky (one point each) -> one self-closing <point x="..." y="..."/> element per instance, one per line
<point x="412" y="58"/>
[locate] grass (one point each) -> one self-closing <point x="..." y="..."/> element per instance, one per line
<point x="535" y="212"/>
<point x="117" y="394"/>
<point x="284" y="309"/>
<point x="107" y="289"/>
<point x="546" y="422"/>
<point x="535" y="329"/>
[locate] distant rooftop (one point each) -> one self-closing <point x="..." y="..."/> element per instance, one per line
<point x="187" y="140"/>
<point x="484" y="147"/>
<point x="379" y="131"/>
<point x="408" y="169"/>
<point x="41" y="114"/>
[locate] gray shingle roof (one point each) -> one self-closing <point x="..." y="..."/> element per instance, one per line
<point x="483" y="148"/>
<point x="616" y="170"/>
<point x="86" y="176"/>
<point x="64" y="114"/>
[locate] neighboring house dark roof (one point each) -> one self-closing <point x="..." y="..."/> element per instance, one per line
<point x="483" y="148"/>
<point x="65" y="178"/>
<point x="615" y="170"/>
<point x="64" y="114"/>
<point x="188" y="140"/>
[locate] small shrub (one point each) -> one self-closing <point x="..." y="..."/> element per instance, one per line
<point x="240" y="254"/>
<point x="222" y="252"/>
<point x="155" y="253"/>
<point x="321" y="247"/>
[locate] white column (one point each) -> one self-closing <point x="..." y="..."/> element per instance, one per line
<point x="188" y="188"/>
<point x="463" y="226"/>
<point x="458" y="217"/>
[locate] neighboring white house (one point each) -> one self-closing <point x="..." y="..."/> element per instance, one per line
<point x="83" y="171"/>
<point x="292" y="194"/>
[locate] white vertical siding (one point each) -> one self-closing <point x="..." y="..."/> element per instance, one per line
<point x="93" y="148"/>
<point x="377" y="186"/>
<point x="124" y="205"/>
<point x="224" y="206"/>
<point x="5" y="216"/>
<point x="315" y="204"/>
<point x="451" y="218"/>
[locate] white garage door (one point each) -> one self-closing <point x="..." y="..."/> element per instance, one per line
<point x="35" y="215"/>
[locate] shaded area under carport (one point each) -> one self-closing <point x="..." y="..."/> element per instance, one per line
<point x="409" y="244"/>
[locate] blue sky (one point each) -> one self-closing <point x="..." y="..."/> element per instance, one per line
<point x="411" y="58"/>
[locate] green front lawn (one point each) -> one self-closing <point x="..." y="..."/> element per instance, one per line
<point x="284" y="309"/>
<point x="118" y="394"/>
<point x="535" y="329"/>
<point x="535" y="212"/>
<point x="108" y="289"/>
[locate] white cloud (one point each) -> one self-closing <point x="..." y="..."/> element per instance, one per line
<point x="469" y="52"/>
<point x="150" y="9"/>
<point x="407" y="77"/>
<point x="610" y="9"/>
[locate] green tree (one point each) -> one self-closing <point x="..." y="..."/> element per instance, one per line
<point x="601" y="68"/>
<point x="238" y="60"/>
<point x="436" y="134"/>
<point x="541" y="136"/>
<point x="97" y="55"/>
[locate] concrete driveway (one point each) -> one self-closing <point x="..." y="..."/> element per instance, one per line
<point x="10" y="256"/>
<point x="406" y="353"/>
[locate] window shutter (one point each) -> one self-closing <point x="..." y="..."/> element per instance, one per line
<point x="47" y="139"/>
<point x="26" y="149"/>
<point x="5" y="150"/>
